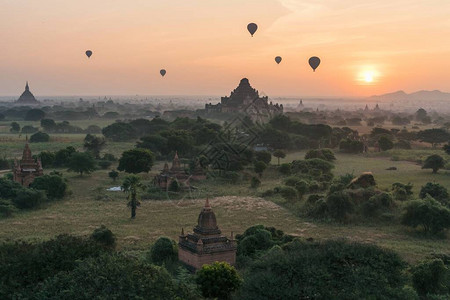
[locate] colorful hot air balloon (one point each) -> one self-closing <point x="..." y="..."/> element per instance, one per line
<point x="314" y="62"/>
<point x="252" y="27"/>
<point x="278" y="59"/>
<point x="162" y="72"/>
<point x="88" y="53"/>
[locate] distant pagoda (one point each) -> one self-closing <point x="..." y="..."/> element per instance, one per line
<point x="27" y="169"/>
<point x="206" y="244"/>
<point x="245" y="99"/>
<point x="27" y="97"/>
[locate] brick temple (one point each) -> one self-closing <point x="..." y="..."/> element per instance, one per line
<point x="206" y="244"/>
<point x="27" y="169"/>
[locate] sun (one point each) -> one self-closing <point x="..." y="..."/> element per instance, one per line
<point x="368" y="77"/>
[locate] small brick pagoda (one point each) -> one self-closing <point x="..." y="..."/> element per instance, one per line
<point x="28" y="169"/>
<point x="206" y="244"/>
<point x="177" y="172"/>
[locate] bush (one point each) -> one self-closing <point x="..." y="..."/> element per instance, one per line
<point x="339" y="206"/>
<point x="54" y="186"/>
<point x="376" y="204"/>
<point x="6" y="208"/>
<point x="325" y="154"/>
<point x="431" y="277"/>
<point x="385" y="143"/>
<point x="164" y="250"/>
<point x="285" y="169"/>
<point x="104" y="164"/>
<point x="104" y="236"/>
<point x="428" y="214"/>
<point x="174" y="186"/>
<point x="255" y="182"/>
<point x="39" y="137"/>
<point x="28" y="198"/>
<point x="263" y="156"/>
<point x="402" y="191"/>
<point x="436" y="191"/>
<point x="113" y="174"/>
<point x="351" y="146"/>
<point x="287" y="192"/>
<point x="328" y="270"/>
<point x="218" y="280"/>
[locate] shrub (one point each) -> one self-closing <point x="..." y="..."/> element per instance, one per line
<point x="263" y="156"/>
<point x="385" y="143"/>
<point x="113" y="174"/>
<point x="431" y="277"/>
<point x="6" y="208"/>
<point x="164" y="250"/>
<point x="104" y="236"/>
<point x="285" y="169"/>
<point x="402" y="191"/>
<point x="28" y="198"/>
<point x="325" y="154"/>
<point x="436" y="191"/>
<point x="54" y="186"/>
<point x="39" y="137"/>
<point x="288" y="193"/>
<point x="375" y="204"/>
<point x="328" y="270"/>
<point x="428" y="214"/>
<point x="351" y="146"/>
<point x="339" y="206"/>
<point x="104" y="164"/>
<point x="174" y="186"/>
<point x="218" y="280"/>
<point x="292" y="180"/>
<point x="259" y="167"/>
<point x="302" y="187"/>
<point x="255" y="182"/>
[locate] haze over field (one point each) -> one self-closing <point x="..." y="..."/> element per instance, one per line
<point x="366" y="48"/>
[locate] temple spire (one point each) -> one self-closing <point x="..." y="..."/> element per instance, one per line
<point x="207" y="203"/>
<point x="27" y="88"/>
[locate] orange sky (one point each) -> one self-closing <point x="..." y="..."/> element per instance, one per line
<point x="206" y="49"/>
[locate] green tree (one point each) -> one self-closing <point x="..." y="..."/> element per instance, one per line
<point x="263" y="156"/>
<point x="54" y="186"/>
<point x="434" y="162"/>
<point x="113" y="174"/>
<point x="431" y="277"/>
<point x="119" y="132"/>
<point x="433" y="136"/>
<point x="34" y="114"/>
<point x="339" y="206"/>
<point x="279" y="154"/>
<point x="436" y="191"/>
<point x="94" y="144"/>
<point x="324" y="154"/>
<point x="132" y="185"/>
<point x="218" y="280"/>
<point x="29" y="198"/>
<point x="39" y="137"/>
<point x="428" y="213"/>
<point x="104" y="236"/>
<point x="48" y="125"/>
<point x="259" y="167"/>
<point x="136" y="161"/>
<point x="385" y="143"/>
<point x="81" y="162"/>
<point x="15" y="127"/>
<point x="164" y="250"/>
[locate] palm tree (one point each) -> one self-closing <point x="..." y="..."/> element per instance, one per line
<point x="131" y="185"/>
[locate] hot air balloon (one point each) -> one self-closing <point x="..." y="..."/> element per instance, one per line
<point x="278" y="59"/>
<point x="88" y="53"/>
<point x="162" y="72"/>
<point x="314" y="62"/>
<point x="252" y="27"/>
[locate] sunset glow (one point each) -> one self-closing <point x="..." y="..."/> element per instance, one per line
<point x="206" y="48"/>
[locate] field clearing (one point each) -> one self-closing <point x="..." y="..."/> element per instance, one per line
<point x="90" y="206"/>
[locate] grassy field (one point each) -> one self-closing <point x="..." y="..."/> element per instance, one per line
<point x="90" y="206"/>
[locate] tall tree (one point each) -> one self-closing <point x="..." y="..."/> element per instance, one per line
<point x="279" y="154"/>
<point x="131" y="185"/>
<point x="81" y="162"/>
<point x="136" y="161"/>
<point x="94" y="144"/>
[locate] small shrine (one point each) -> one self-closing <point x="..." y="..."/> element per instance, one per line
<point x="206" y="244"/>
<point x="27" y="169"/>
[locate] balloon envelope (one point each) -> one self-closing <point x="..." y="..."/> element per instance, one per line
<point x="314" y="62"/>
<point x="278" y="59"/>
<point x="88" y="53"/>
<point x="252" y="27"/>
<point x="162" y="72"/>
